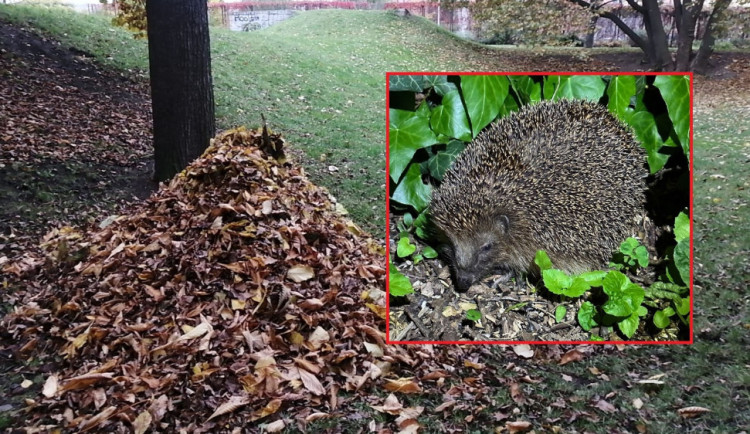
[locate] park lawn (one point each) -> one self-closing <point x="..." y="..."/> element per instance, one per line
<point x="318" y="78"/>
<point x="320" y="81"/>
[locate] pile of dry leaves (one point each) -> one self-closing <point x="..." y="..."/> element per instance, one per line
<point x="236" y="291"/>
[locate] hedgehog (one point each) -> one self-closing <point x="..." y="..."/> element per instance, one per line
<point x="566" y="177"/>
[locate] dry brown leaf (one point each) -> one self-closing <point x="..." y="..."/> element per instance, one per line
<point x="518" y="426"/>
<point x="300" y="273"/>
<point x="403" y="385"/>
<point x="231" y="405"/>
<point x="96" y="420"/>
<point x="142" y="422"/>
<point x="391" y="405"/>
<point x="272" y="407"/>
<point x="605" y="406"/>
<point x="571" y="356"/>
<point x="691" y="412"/>
<point x="311" y="382"/>
<point x="275" y="426"/>
<point x="50" y="386"/>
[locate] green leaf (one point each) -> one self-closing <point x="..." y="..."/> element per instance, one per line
<point x="417" y="259"/>
<point x="526" y="88"/>
<point x="440" y="162"/>
<point x="412" y="191"/>
<point x="593" y="278"/>
<point x="484" y="96"/>
<point x="473" y="315"/>
<point x="421" y="224"/>
<point x="675" y="89"/>
<point x="629" y="325"/>
<point x="412" y="83"/>
<point x="624" y="296"/>
<point x="440" y="83"/>
<point x="542" y="260"/>
<point x="586" y="315"/>
<point x="405" y="248"/>
<point x="646" y="130"/>
<point x="560" y="312"/>
<point x="398" y="284"/>
<point x="449" y="118"/>
<point x="661" y="319"/>
<point x="619" y="91"/>
<point x="577" y="288"/>
<point x="589" y="87"/>
<point x="682" y="260"/>
<point x="641" y="254"/>
<point x="628" y="246"/>
<point x="682" y="227"/>
<point x="683" y="306"/>
<point x="429" y="253"/>
<point x="409" y="132"/>
<point x="556" y="280"/>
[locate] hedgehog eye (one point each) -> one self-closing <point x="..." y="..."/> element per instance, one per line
<point x="486" y="248"/>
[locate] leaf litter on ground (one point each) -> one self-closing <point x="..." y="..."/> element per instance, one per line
<point x="233" y="292"/>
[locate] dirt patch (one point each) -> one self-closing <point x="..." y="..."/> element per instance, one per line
<point x="75" y="139"/>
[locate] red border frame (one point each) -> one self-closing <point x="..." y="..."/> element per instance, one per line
<point x="387" y="211"/>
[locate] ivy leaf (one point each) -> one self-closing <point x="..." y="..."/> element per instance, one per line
<point x="589" y="87"/>
<point x="412" y="191"/>
<point x="449" y="118"/>
<point x="526" y="88"/>
<point x="440" y="162"/>
<point x="619" y="91"/>
<point x="682" y="227"/>
<point x="440" y="83"/>
<point x="410" y="83"/>
<point x="484" y="96"/>
<point x="409" y="132"/>
<point x="675" y="89"/>
<point x="429" y="253"/>
<point x="646" y="130"/>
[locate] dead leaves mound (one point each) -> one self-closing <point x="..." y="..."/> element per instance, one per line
<point x="232" y="292"/>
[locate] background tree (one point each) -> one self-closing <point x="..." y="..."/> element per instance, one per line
<point x="182" y="97"/>
<point x="656" y="46"/>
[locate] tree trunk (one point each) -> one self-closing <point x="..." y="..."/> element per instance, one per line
<point x="589" y="42"/>
<point x="686" y="15"/>
<point x="181" y="87"/>
<point x="700" y="63"/>
<point x="658" y="52"/>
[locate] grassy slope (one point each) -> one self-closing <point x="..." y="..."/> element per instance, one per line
<point x="319" y="78"/>
<point x="339" y="67"/>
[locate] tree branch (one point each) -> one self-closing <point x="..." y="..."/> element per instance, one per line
<point x="618" y="22"/>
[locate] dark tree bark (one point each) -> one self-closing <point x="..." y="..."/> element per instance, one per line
<point x="700" y="63"/>
<point x="686" y="15"/>
<point x="657" y="37"/>
<point x="181" y="86"/>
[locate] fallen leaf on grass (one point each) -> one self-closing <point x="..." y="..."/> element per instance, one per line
<point x="403" y="385"/>
<point x="691" y="412"/>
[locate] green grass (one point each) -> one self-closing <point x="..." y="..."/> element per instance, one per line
<point x="319" y="79"/>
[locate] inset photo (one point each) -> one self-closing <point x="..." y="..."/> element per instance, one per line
<point x="539" y="208"/>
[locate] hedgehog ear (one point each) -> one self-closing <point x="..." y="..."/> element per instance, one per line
<point x="502" y="223"/>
